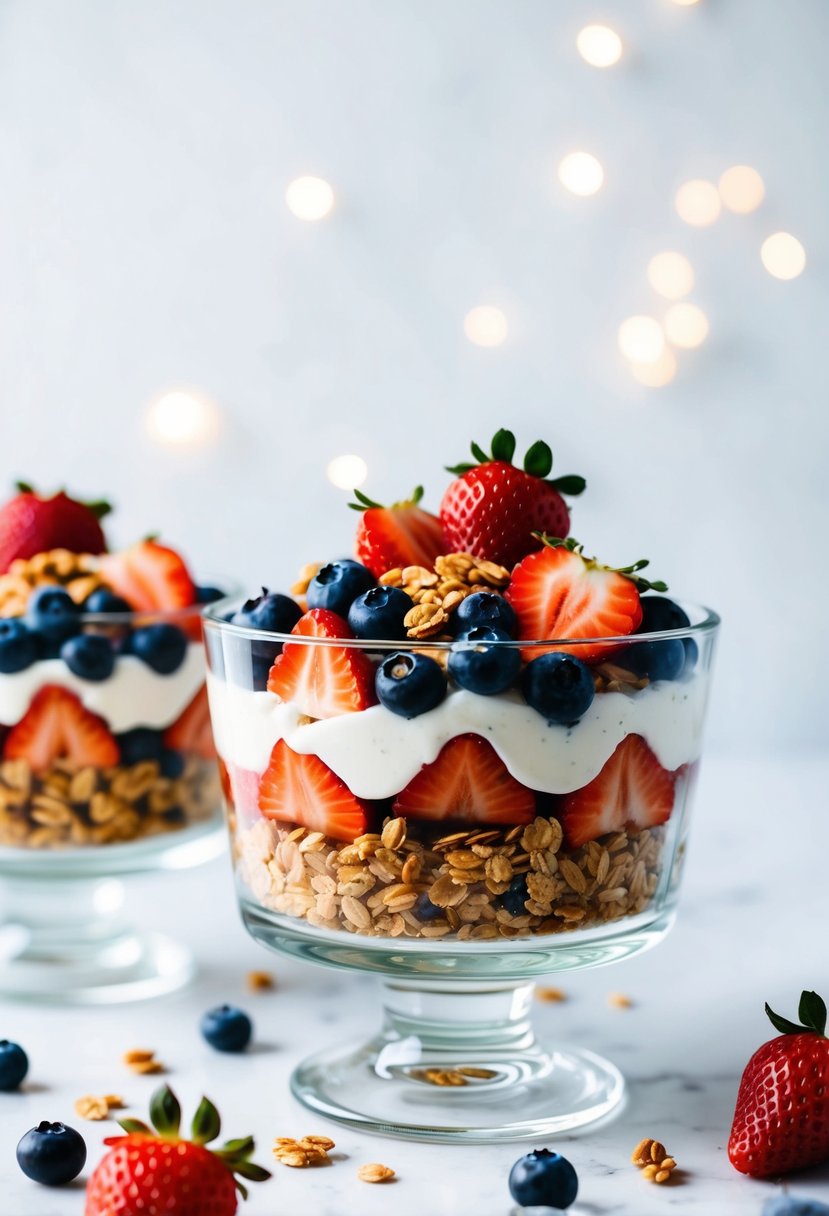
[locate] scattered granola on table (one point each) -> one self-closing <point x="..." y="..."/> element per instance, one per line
<point x="375" y="1172"/>
<point x="652" y="1159"/>
<point x="303" y="1153"/>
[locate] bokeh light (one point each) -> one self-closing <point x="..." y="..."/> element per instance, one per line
<point x="655" y="375"/>
<point x="698" y="203"/>
<point x="742" y="189"/>
<point x="309" y="198"/>
<point x="348" y="471"/>
<point x="686" y="325"/>
<point x="671" y="275"/>
<point x="599" y="45"/>
<point x="486" y="325"/>
<point x="581" y="173"/>
<point x="783" y="255"/>
<point x="685" y="3"/>
<point x="182" y="418"/>
<point x="641" y="339"/>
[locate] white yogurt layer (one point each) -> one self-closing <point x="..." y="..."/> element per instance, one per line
<point x="377" y="753"/>
<point x="134" y="695"/>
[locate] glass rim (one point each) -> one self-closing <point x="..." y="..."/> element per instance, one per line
<point x="213" y="620"/>
<point x="170" y="616"/>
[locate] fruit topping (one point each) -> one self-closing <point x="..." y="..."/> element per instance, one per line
<point x="149" y="576"/>
<point x="379" y="613"/>
<point x="162" y="647"/>
<point x="781" y="1122"/>
<point x="31" y="524"/>
<point x="493" y="509"/>
<point x="14" y="1064"/>
<point x="141" y="743"/>
<point x="104" y="600"/>
<point x="481" y="663"/>
<point x="663" y="660"/>
<point x="397" y="536"/>
<point x="514" y="899"/>
<point x="149" y="1166"/>
<point x="209" y="595"/>
<point x="270" y="610"/>
<point x="57" y="726"/>
<point x="469" y="782"/>
<point x="191" y="732"/>
<point x="89" y="656"/>
<point x="327" y="680"/>
<point x="226" y="1028"/>
<point x="51" y="1154"/>
<point x="18" y="646"/>
<point x="302" y="789"/>
<point x="484" y="608"/>
<point x="559" y="686"/>
<point x="632" y="790"/>
<point x="53" y="614"/>
<point x="543" y="1179"/>
<point x="336" y="585"/>
<point x="410" y="684"/>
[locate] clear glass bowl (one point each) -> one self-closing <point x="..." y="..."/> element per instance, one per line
<point x="98" y="780"/>
<point x="571" y="857"/>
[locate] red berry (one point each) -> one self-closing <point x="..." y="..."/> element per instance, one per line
<point x="323" y="681"/>
<point x="191" y="731"/>
<point x="56" y="726"/>
<point x="30" y="524"/>
<point x="150" y="576"/>
<point x="401" y="535"/>
<point x="469" y="782"/>
<point x="632" y="790"/>
<point x="302" y="789"/>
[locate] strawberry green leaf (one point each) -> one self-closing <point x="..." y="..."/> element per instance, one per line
<point x="242" y="1147"/>
<point x="99" y="508"/>
<point x="241" y="1188"/>
<point x="460" y="469"/>
<point x="165" y="1112"/>
<point x="135" y="1127"/>
<point x="479" y="453"/>
<point x="783" y="1024"/>
<point x="539" y="459"/>
<point x="503" y="446"/>
<point x="812" y="1011"/>
<point x="570" y="484"/>
<point x="206" y="1123"/>
<point x="23" y="487"/>
<point x="253" y="1172"/>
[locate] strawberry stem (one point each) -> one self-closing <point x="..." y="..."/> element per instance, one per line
<point x="165" y="1113"/>
<point x="812" y="1014"/>
<point x="99" y="506"/>
<point x="364" y="503"/>
<point x="538" y="461"/>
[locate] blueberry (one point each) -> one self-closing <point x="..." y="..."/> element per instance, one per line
<point x="104" y="600"/>
<point x="270" y="610"/>
<point x="657" y="660"/>
<point x="410" y="684"/>
<point x="53" y="614"/>
<point x="485" y="608"/>
<point x="208" y="595"/>
<point x="560" y="687"/>
<point x="140" y="744"/>
<point x="543" y="1179"/>
<point x="790" y="1205"/>
<point x="425" y="910"/>
<point x="171" y="763"/>
<point x="14" y="1064"/>
<point x="52" y="1154"/>
<point x="336" y="585"/>
<point x="161" y="647"/>
<point x="18" y="646"/>
<point x="483" y="668"/>
<point x="379" y="613"/>
<point x="659" y="613"/>
<point x="89" y="656"/>
<point x="515" y="896"/>
<point x="226" y="1028"/>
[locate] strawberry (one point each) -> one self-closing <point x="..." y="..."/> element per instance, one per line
<point x="323" y="681"/>
<point x="470" y="782"/>
<point x="492" y="509"/>
<point x="557" y="593"/>
<point x="632" y="790"/>
<point x="31" y="524"/>
<point x="781" y="1122"/>
<point x="240" y="787"/>
<point x="302" y="789"/>
<point x="151" y="1171"/>
<point x="56" y="726"/>
<point x="400" y="535"/>
<point x="149" y="576"/>
<point x="191" y="731"/>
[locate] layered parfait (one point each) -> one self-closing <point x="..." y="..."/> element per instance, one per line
<point x="104" y="726"/>
<point x="471" y="729"/>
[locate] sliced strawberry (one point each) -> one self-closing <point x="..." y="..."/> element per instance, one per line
<point x="557" y="594"/>
<point x="191" y="732"/>
<point x="56" y="726"/>
<point x="149" y="576"/>
<point x="302" y="789"/>
<point x="323" y="681"/>
<point x="633" y="790"/>
<point x="30" y="524"/>
<point x="467" y="781"/>
<point x="240" y="787"/>
<point x="401" y="535"/>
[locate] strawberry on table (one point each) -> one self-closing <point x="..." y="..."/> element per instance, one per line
<point x="400" y="535"/>
<point x="632" y="790"/>
<point x="150" y="576"/>
<point x="153" y="1170"/>
<point x="326" y="680"/>
<point x="191" y="731"/>
<point x="303" y="789"/>
<point x="469" y="782"/>
<point x="30" y="524"/>
<point x="493" y="509"/>
<point x="56" y="726"/>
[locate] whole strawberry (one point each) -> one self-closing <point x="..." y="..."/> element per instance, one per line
<point x="492" y="508"/>
<point x="153" y="1171"/>
<point x="31" y="524"/>
<point x="781" y="1122"/>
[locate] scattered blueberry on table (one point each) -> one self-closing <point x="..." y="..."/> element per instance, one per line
<point x="226" y="1028"/>
<point x="791" y="1205"/>
<point x="51" y="1154"/>
<point x="14" y="1064"/>
<point x="543" y="1178"/>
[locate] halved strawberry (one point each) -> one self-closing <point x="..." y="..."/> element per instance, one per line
<point x="191" y="731"/>
<point x="323" y="681"/>
<point x="633" y="790"/>
<point x="149" y="576"/>
<point x="302" y="789"/>
<point x="400" y="535"/>
<point x="557" y="593"/>
<point x="467" y="781"/>
<point x="56" y="726"/>
<point x="240" y="787"/>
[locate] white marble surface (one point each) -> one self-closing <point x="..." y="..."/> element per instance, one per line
<point x="751" y="927"/>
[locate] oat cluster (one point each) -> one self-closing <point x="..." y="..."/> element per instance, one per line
<point x="66" y="805"/>
<point x="260" y="981"/>
<point x="300" y="1154"/>
<point x="97" y="1108"/>
<point x="436" y="593"/>
<point x="375" y="1172"/>
<point x="76" y="572"/>
<point x="652" y="1159"/>
<point x="141" y="1060"/>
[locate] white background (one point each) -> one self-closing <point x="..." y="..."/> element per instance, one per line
<point x="145" y="244"/>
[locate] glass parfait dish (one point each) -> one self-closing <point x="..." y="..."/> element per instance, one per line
<point x="458" y="855"/>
